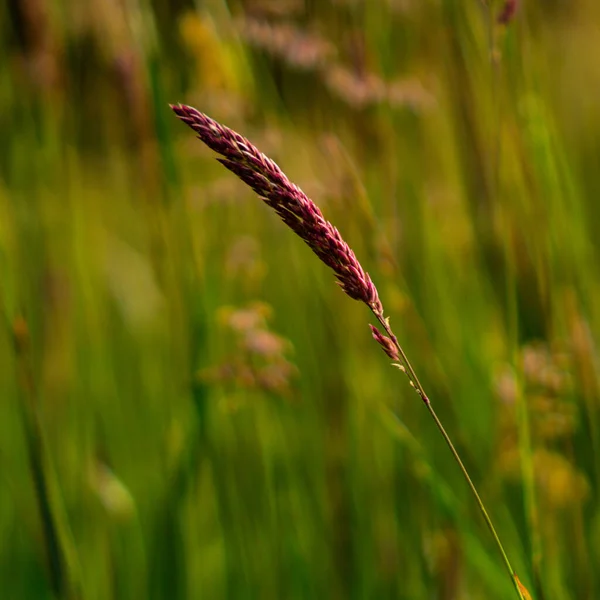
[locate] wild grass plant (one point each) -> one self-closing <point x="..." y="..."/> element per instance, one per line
<point x="179" y="423"/>
<point x="305" y="219"/>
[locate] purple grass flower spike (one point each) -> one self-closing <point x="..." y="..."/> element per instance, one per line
<point x="295" y="209"/>
<point x="508" y="12"/>
<point x="386" y="343"/>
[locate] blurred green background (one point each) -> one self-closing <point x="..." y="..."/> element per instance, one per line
<point x="191" y="408"/>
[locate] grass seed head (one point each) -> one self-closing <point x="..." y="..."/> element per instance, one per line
<point x="292" y="205"/>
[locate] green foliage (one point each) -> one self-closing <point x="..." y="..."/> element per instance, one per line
<point x="209" y="412"/>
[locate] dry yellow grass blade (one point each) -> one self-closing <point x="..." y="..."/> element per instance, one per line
<point x="523" y="589"/>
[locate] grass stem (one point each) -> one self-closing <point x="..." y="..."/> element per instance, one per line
<point x="414" y="381"/>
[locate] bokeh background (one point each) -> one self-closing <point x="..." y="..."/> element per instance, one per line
<point x="191" y="408"/>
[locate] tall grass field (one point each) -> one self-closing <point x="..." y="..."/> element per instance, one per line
<point x="191" y="408"/>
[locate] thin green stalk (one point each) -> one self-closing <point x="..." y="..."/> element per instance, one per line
<point x="63" y="567"/>
<point x="414" y="381"/>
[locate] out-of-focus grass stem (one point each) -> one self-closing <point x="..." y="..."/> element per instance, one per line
<point x="61" y="554"/>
